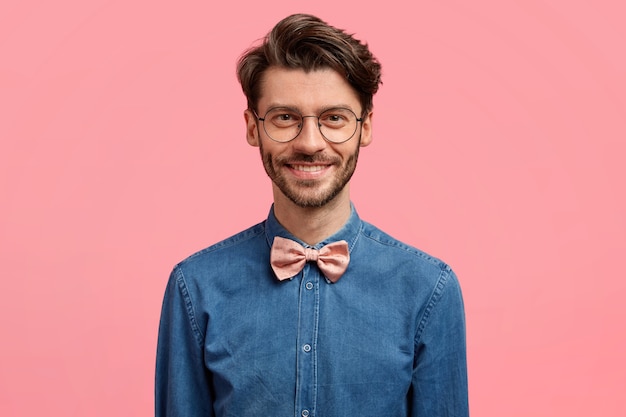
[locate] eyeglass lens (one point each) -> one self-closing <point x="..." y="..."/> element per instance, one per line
<point x="283" y="124"/>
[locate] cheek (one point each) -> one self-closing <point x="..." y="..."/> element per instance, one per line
<point x="348" y="150"/>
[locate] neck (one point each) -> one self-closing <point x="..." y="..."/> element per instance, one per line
<point x="312" y="224"/>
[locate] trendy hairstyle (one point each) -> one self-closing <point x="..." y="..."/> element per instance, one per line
<point x="303" y="41"/>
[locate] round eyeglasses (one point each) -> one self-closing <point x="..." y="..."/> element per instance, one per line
<point x="284" y="124"/>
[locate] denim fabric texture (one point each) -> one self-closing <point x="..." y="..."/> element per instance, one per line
<point x="386" y="340"/>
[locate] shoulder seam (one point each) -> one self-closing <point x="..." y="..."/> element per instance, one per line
<point x="191" y="314"/>
<point x="433" y="300"/>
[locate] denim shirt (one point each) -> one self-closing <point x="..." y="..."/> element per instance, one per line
<point x="387" y="339"/>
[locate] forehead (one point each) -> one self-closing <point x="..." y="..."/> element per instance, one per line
<point x="306" y="91"/>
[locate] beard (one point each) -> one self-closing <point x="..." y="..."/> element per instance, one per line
<point x="309" y="193"/>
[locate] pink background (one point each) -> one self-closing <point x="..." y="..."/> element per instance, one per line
<point x="499" y="142"/>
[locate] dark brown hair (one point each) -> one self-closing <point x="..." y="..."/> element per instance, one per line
<point x="303" y="41"/>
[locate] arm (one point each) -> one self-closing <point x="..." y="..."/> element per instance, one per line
<point x="182" y="386"/>
<point x="439" y="386"/>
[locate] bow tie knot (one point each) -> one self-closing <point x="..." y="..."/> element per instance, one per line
<point x="288" y="258"/>
<point x="311" y="254"/>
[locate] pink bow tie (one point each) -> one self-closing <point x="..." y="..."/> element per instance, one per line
<point x="288" y="258"/>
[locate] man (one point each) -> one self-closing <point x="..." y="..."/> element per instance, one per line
<point x="312" y="312"/>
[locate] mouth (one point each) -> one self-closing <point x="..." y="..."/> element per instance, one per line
<point x="308" y="170"/>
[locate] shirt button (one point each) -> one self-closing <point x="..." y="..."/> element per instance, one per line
<point x="309" y="285"/>
<point x="306" y="348"/>
<point x="305" y="413"/>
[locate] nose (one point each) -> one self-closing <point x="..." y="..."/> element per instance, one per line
<point x="310" y="139"/>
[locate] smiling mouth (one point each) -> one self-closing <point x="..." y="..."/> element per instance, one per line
<point x="308" y="168"/>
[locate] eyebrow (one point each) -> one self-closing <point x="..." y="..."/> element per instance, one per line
<point x="319" y="110"/>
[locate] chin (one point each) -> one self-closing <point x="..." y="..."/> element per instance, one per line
<point x="317" y="200"/>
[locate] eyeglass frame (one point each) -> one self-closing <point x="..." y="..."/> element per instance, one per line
<point x="319" y="125"/>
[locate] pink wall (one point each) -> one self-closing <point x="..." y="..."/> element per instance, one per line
<point x="499" y="146"/>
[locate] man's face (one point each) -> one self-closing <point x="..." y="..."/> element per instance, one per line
<point x="308" y="171"/>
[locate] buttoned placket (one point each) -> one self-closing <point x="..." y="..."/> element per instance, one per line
<point x="306" y="344"/>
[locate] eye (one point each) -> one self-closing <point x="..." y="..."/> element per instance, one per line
<point x="283" y="117"/>
<point x="337" y="118"/>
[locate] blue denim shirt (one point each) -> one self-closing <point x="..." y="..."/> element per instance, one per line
<point x="386" y="340"/>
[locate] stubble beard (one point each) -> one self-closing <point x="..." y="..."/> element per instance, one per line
<point x="303" y="193"/>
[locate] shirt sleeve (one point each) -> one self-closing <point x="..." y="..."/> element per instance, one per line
<point x="182" y="386"/>
<point x="439" y="384"/>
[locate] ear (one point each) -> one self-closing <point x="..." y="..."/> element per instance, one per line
<point x="366" y="129"/>
<point x="252" y="131"/>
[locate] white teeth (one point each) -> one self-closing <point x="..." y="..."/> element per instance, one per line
<point x="308" y="168"/>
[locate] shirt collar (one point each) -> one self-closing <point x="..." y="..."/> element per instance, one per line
<point x="348" y="232"/>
